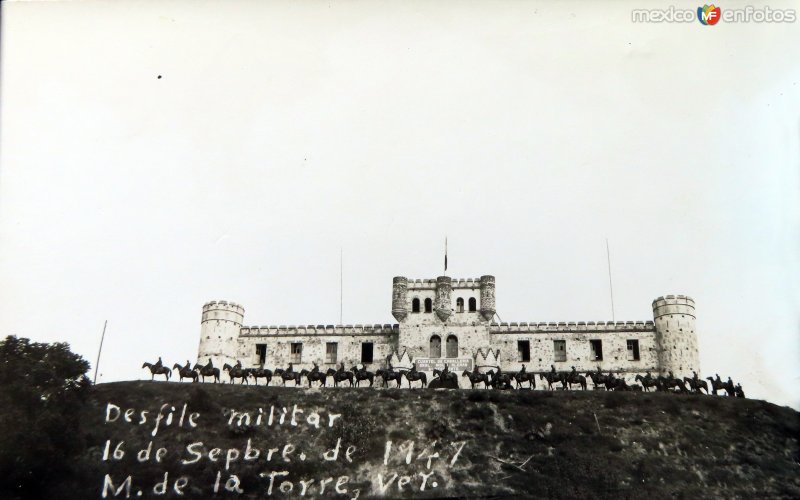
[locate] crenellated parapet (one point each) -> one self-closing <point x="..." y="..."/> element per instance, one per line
<point x="572" y="326"/>
<point x="673" y="304"/>
<point x="319" y="330"/>
<point x="430" y="284"/>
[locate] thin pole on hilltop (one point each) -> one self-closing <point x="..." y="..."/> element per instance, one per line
<point x="341" y="285"/>
<point x="445" y="255"/>
<point x="97" y="364"/>
<point x="610" y="286"/>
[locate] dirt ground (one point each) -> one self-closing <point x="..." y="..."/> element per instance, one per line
<point x="400" y="443"/>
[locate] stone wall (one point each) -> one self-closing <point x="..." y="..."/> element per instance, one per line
<point x="314" y="340"/>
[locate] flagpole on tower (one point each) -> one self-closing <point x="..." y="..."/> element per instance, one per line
<point x="445" y="255"/>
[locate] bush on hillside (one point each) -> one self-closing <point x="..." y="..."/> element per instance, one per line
<point x="41" y="391"/>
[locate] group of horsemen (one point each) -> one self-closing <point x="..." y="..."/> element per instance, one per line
<point x="573" y="377"/>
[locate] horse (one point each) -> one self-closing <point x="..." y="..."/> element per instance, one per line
<point x="668" y="383"/>
<point x="696" y="385"/>
<point x="598" y="379"/>
<point x="718" y="384"/>
<point x="314" y="376"/>
<point x="237" y="372"/>
<point x="288" y="374"/>
<point x="155" y="370"/>
<point x="616" y="384"/>
<point x="363" y="374"/>
<point x="476" y="378"/>
<point x="522" y="377"/>
<point x="339" y="376"/>
<point x="413" y="375"/>
<point x="207" y="371"/>
<point x="258" y="373"/>
<point x="185" y="372"/>
<point x="388" y="374"/>
<point x="552" y="378"/>
<point x="499" y="380"/>
<point x="647" y="382"/>
<point x="449" y="377"/>
<point x="571" y="379"/>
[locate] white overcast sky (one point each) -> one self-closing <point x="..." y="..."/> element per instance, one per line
<point x="282" y="132"/>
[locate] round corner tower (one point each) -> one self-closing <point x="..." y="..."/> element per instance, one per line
<point x="399" y="294"/>
<point x="219" y="332"/>
<point x="487" y="297"/>
<point x="676" y="337"/>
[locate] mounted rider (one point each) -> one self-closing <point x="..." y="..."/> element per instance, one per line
<point x="341" y="367"/>
<point x="188" y="366"/>
<point x="444" y="373"/>
<point x="238" y="364"/>
<point x="209" y="365"/>
<point x="523" y="369"/>
<point x="316" y="368"/>
<point x="573" y="375"/>
<point x="159" y="363"/>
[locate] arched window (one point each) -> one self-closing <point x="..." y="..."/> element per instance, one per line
<point x="436" y="346"/>
<point x="460" y="305"/>
<point x="428" y="305"/>
<point x="452" y="346"/>
<point x="415" y="306"/>
<point x="473" y="305"/>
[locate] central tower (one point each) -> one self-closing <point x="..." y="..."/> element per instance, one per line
<point x="443" y="318"/>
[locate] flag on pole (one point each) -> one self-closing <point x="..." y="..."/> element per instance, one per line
<point x="445" y="254"/>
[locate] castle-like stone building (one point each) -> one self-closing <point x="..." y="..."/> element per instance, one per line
<point x="447" y="320"/>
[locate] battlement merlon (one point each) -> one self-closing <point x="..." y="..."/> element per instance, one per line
<point x="430" y="284"/>
<point x="320" y="330"/>
<point x="572" y="327"/>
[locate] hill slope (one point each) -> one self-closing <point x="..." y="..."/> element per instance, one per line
<point x="465" y="443"/>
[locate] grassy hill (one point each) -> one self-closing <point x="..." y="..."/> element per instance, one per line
<point x="465" y="443"/>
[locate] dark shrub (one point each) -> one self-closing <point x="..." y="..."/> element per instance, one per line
<point x="42" y="389"/>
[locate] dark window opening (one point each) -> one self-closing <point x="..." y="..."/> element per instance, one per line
<point x="366" y="352"/>
<point x="261" y="354"/>
<point x="331" y="350"/>
<point x="524" y="350"/>
<point x="436" y="347"/>
<point x="596" y="350"/>
<point x="428" y="305"/>
<point x="452" y="346"/>
<point x="560" y="350"/>
<point x="473" y="305"/>
<point x="460" y="305"/>
<point x="415" y="306"/>
<point x="297" y="352"/>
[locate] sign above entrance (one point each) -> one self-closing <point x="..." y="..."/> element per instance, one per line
<point x="453" y="364"/>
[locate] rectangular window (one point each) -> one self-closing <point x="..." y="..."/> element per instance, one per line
<point x="524" y="350"/>
<point x="560" y="350"/>
<point x="330" y="352"/>
<point x="366" y="352"/>
<point x="596" y="348"/>
<point x="261" y="354"/>
<point x="297" y="352"/>
<point x="633" y="350"/>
